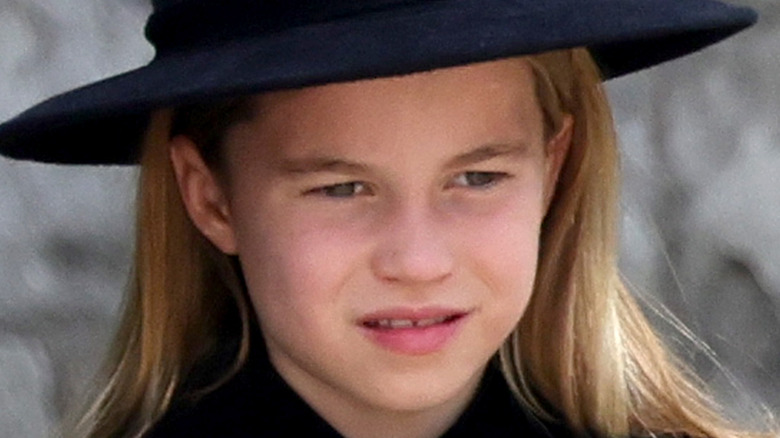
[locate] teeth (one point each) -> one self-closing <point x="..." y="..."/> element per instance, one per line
<point x="430" y="321"/>
<point x="407" y="323"/>
<point x="399" y="323"/>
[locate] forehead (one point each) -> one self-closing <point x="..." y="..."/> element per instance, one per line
<point x="461" y="84"/>
<point x="462" y="104"/>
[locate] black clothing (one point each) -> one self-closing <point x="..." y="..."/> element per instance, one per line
<point x="257" y="402"/>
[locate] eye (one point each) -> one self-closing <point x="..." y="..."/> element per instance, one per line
<point x="479" y="180"/>
<point x="341" y="190"/>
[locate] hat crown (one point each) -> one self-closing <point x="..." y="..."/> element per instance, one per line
<point x="181" y="24"/>
<point x="213" y="49"/>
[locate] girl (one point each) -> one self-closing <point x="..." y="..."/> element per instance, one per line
<point x="380" y="218"/>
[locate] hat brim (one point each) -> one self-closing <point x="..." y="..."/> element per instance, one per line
<point x="102" y="123"/>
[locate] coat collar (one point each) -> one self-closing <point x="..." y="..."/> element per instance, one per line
<point x="257" y="402"/>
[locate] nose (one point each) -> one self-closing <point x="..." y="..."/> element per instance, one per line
<point x="413" y="248"/>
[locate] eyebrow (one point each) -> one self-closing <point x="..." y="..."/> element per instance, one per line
<point x="488" y="152"/>
<point x="302" y="166"/>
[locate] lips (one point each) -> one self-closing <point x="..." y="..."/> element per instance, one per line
<point x="413" y="332"/>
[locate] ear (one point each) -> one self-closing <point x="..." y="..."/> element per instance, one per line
<point x="556" y="151"/>
<point x="203" y="197"/>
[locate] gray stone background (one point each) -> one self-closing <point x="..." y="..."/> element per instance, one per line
<point x="701" y="207"/>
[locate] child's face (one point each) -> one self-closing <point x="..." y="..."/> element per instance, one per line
<point x="388" y="230"/>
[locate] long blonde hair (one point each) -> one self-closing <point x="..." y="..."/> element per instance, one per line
<point x="583" y="352"/>
<point x="583" y="346"/>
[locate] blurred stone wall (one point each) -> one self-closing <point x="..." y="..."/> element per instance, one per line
<point x="701" y="222"/>
<point x="65" y="232"/>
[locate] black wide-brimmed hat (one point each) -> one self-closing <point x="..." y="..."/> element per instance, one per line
<point x="209" y="49"/>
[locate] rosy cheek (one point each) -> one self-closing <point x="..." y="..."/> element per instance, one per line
<point x="504" y="242"/>
<point x="302" y="258"/>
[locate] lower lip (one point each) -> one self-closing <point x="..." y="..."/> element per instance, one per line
<point x="416" y="341"/>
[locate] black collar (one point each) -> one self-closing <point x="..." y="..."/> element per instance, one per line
<point x="257" y="402"/>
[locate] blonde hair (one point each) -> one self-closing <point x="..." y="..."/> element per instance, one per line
<point x="183" y="294"/>
<point x="583" y="351"/>
<point x="583" y="346"/>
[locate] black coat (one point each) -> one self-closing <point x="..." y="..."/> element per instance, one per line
<point x="258" y="403"/>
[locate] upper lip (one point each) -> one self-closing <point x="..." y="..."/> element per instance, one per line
<point x="411" y="314"/>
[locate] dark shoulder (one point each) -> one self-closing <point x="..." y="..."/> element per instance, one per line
<point x="222" y="412"/>
<point x="253" y="403"/>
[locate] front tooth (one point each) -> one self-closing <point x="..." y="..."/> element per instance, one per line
<point x="408" y="323"/>
<point x="401" y="323"/>
<point x="430" y="321"/>
<point x="426" y="322"/>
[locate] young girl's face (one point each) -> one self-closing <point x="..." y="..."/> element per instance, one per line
<point x="388" y="231"/>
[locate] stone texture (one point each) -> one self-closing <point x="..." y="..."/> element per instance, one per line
<point x="25" y="385"/>
<point x="701" y="209"/>
<point x="701" y="223"/>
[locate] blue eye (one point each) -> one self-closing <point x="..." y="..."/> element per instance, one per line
<point x="479" y="179"/>
<point x="341" y="190"/>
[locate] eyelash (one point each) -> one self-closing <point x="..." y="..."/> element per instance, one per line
<point x="354" y="188"/>
<point x="493" y="178"/>
<point x="334" y="190"/>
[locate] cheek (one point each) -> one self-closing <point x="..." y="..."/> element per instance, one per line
<point x="503" y="253"/>
<point x="293" y="266"/>
<point x="509" y="255"/>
